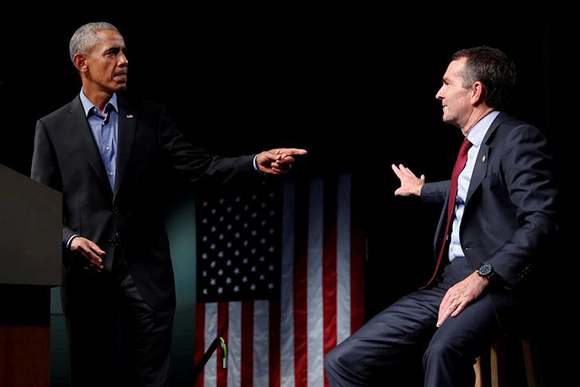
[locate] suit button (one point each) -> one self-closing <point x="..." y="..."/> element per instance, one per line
<point x="115" y="241"/>
<point x="116" y="210"/>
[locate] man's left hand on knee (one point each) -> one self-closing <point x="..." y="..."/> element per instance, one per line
<point x="460" y="295"/>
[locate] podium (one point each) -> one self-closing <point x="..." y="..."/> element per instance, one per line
<point x="30" y="265"/>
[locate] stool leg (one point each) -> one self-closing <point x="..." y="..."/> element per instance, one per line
<point x="481" y="368"/>
<point x="532" y="362"/>
<point x="477" y="369"/>
<point x="498" y="361"/>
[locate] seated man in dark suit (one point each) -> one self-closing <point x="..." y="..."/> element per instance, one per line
<point x="499" y="215"/>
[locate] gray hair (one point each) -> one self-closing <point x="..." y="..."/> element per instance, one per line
<point x="85" y="38"/>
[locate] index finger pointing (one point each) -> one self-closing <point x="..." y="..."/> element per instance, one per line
<point x="293" y="151"/>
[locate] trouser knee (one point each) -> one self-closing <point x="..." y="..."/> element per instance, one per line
<point x="438" y="351"/>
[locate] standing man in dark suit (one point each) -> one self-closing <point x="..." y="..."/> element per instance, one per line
<point x="108" y="155"/>
<point x="498" y="218"/>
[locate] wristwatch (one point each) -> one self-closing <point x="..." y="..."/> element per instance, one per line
<point x="486" y="271"/>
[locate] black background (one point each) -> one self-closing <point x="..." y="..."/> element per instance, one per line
<point x="355" y="87"/>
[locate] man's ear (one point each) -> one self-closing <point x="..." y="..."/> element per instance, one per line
<point x="80" y="62"/>
<point x="477" y="93"/>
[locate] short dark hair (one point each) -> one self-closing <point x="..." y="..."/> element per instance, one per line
<point x="493" y="69"/>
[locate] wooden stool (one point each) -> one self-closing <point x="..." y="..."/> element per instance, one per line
<point x="491" y="370"/>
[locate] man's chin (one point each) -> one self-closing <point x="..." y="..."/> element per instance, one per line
<point x="120" y="87"/>
<point x="448" y="120"/>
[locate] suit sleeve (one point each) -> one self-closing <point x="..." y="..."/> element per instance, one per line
<point x="196" y="164"/>
<point x="45" y="168"/>
<point x="528" y="173"/>
<point x="435" y="193"/>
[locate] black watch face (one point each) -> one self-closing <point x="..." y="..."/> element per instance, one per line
<point x="485" y="269"/>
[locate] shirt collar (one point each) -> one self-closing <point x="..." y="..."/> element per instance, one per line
<point x="477" y="133"/>
<point x="88" y="106"/>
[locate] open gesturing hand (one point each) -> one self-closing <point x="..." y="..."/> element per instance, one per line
<point x="410" y="184"/>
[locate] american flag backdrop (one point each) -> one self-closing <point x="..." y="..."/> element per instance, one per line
<point x="280" y="278"/>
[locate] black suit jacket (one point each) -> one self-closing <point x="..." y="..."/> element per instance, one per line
<point x="510" y="215"/>
<point x="66" y="158"/>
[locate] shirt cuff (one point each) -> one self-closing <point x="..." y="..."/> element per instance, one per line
<point x="255" y="163"/>
<point x="70" y="240"/>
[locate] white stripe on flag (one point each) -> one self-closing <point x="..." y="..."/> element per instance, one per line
<point x="314" y="288"/>
<point x="287" y="376"/>
<point x="234" y="344"/>
<point x="343" y="326"/>
<point x="261" y="343"/>
<point x="211" y="318"/>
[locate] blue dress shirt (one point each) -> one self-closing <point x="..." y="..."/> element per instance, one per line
<point x="105" y="129"/>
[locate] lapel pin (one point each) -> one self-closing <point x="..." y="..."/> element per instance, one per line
<point x="130" y="116"/>
<point x="483" y="159"/>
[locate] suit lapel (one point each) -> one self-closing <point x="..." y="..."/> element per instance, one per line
<point x="80" y="127"/>
<point x="126" y="136"/>
<point x="480" y="169"/>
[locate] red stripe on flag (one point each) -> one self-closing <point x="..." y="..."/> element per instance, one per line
<point x="357" y="263"/>
<point x="222" y="330"/>
<point x="247" y="351"/>
<point x="301" y="284"/>
<point x="329" y="265"/>
<point x="274" y="343"/>
<point x="199" y="336"/>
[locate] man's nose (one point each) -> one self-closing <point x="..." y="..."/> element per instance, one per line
<point x="123" y="61"/>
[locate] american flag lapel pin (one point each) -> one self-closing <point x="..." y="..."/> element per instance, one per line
<point x="130" y="116"/>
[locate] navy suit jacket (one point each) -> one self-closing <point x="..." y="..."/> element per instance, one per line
<point x="66" y="158"/>
<point x="510" y="215"/>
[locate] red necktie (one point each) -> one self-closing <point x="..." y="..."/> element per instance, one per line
<point x="459" y="165"/>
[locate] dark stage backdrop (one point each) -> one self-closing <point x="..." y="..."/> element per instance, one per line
<point x="354" y="87"/>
